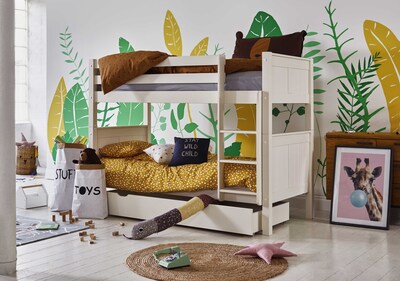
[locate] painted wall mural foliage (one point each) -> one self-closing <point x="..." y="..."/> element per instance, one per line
<point x="355" y="84"/>
<point x="381" y="40"/>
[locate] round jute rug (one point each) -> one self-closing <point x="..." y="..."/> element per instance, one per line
<point x="209" y="262"/>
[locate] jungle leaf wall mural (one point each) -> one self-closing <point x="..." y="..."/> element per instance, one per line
<point x="380" y="39"/>
<point x="355" y="82"/>
<point x="78" y="69"/>
<point x="201" y="48"/>
<point x="356" y="85"/>
<point x="129" y="113"/>
<point x="75" y="112"/>
<point x="172" y="34"/>
<point x="55" y="121"/>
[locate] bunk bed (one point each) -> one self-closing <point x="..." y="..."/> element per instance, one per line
<point x="284" y="160"/>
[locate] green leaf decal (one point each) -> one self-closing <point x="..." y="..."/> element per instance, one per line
<point x="234" y="149"/>
<point x="153" y="139"/>
<point x="68" y="51"/>
<point x="190" y="127"/>
<point x="301" y="110"/>
<point x="174" y="124"/>
<point x="130" y="114"/>
<point x="264" y="25"/>
<point x="125" y="46"/>
<point x="275" y="111"/>
<point x="76" y="112"/>
<point x="181" y="110"/>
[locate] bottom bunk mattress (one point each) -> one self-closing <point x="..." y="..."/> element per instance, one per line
<point x="142" y="174"/>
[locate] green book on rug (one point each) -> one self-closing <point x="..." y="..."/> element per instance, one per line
<point x="47" y="226"/>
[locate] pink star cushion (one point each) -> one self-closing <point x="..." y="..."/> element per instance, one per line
<point x="266" y="251"/>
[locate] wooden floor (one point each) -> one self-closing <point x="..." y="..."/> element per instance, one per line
<point x="325" y="251"/>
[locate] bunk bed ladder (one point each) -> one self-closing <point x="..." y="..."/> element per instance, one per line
<point x="222" y="191"/>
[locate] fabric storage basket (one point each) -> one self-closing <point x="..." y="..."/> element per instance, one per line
<point x="90" y="194"/>
<point x="65" y="175"/>
<point x="26" y="160"/>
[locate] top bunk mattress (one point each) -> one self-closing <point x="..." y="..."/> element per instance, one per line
<point x="238" y="81"/>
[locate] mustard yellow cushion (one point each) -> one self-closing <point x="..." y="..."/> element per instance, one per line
<point x="124" y="149"/>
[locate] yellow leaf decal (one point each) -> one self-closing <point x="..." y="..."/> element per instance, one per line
<point x="201" y="48"/>
<point x="381" y="39"/>
<point x="246" y="114"/>
<point x="172" y="34"/>
<point x="55" y="120"/>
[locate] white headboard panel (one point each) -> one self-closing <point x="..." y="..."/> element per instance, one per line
<point x="108" y="135"/>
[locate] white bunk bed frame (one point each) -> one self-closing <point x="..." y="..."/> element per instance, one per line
<point x="283" y="163"/>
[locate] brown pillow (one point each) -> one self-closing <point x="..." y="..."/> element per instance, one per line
<point x="117" y="69"/>
<point x="291" y="44"/>
<point x="124" y="149"/>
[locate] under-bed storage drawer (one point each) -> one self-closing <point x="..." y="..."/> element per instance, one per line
<point x="280" y="213"/>
<point x="236" y="219"/>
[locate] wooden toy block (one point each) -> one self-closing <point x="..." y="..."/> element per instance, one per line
<point x="76" y="219"/>
<point x="82" y="239"/>
<point x="88" y="222"/>
<point x="92" y="236"/>
<point x="53" y="217"/>
<point x="63" y="213"/>
<point x="92" y="226"/>
<point x="70" y="214"/>
<point x="122" y="224"/>
<point x="63" y="218"/>
<point x="71" y="220"/>
<point x="115" y="233"/>
<point x="91" y="242"/>
<point x="82" y="233"/>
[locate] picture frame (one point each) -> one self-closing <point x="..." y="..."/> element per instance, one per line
<point x="361" y="187"/>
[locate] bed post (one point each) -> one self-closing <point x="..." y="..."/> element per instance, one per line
<point x="266" y="149"/>
<point x="92" y="105"/>
<point x="148" y="122"/>
<point x="309" y="205"/>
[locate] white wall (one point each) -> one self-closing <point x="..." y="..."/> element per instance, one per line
<point x="37" y="77"/>
<point x="97" y="25"/>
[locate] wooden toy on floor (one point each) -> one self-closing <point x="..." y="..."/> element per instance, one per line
<point x="115" y="233"/>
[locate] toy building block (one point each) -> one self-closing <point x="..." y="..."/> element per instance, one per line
<point x="76" y="219"/>
<point x="92" y="236"/>
<point x="122" y="224"/>
<point x="91" y="242"/>
<point x="92" y="226"/>
<point x="63" y="218"/>
<point x="88" y="222"/>
<point x="53" y="217"/>
<point x="82" y="239"/>
<point x="70" y="214"/>
<point x="71" y="220"/>
<point x="82" y="233"/>
<point x="115" y="233"/>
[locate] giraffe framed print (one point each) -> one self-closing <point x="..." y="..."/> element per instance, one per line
<point x="361" y="188"/>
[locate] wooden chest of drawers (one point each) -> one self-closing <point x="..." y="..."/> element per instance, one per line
<point x="379" y="140"/>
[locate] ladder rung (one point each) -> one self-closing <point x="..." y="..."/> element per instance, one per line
<point x="238" y="132"/>
<point x="241" y="192"/>
<point x="230" y="161"/>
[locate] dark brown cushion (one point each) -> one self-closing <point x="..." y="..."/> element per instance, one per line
<point x="291" y="44"/>
<point x="117" y="69"/>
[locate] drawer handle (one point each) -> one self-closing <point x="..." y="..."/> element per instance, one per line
<point x="365" y="143"/>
